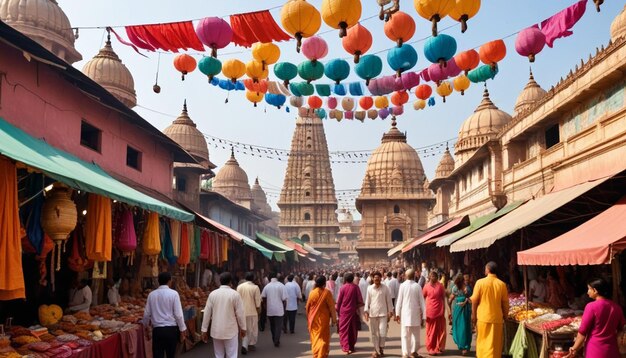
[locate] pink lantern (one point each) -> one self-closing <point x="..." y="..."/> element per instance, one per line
<point x="349" y="114"/>
<point x="331" y="102"/>
<point x="530" y="42"/>
<point x="424" y="74"/>
<point x="437" y="73"/>
<point x="452" y="70"/>
<point x="215" y="33"/>
<point x="410" y="80"/>
<point x="397" y="83"/>
<point x="314" y="48"/>
<point x="397" y="110"/>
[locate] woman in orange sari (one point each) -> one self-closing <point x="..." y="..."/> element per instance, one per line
<point x="320" y="309"/>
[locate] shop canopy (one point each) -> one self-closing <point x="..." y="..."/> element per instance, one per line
<point x="301" y="251"/>
<point x="403" y="244"/>
<point x="70" y="170"/>
<point x="451" y="225"/>
<point x="592" y="243"/>
<point x="306" y="246"/>
<point x="274" y="241"/>
<point x="525" y="215"/>
<point x="476" y="224"/>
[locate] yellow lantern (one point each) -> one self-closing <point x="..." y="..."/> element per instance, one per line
<point x="434" y="10"/>
<point x="419" y="104"/>
<point x="254" y="97"/>
<point x="463" y="11"/>
<point x="266" y="53"/>
<point x="341" y="14"/>
<point x="444" y="90"/>
<point x="233" y="69"/>
<point x="300" y="19"/>
<point x="256" y="70"/>
<point x="461" y="83"/>
<point x="381" y="102"/>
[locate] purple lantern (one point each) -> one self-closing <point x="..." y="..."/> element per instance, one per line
<point x="215" y="33"/>
<point x="530" y="42"/>
<point x="383" y="113"/>
<point x="397" y="110"/>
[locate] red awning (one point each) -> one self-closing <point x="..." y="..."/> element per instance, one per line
<point x="461" y="222"/>
<point x="232" y="233"/>
<point x="296" y="247"/>
<point x="592" y="243"/>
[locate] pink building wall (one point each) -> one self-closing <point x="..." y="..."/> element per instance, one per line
<point x="40" y="101"/>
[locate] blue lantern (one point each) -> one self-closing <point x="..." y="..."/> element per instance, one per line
<point x="322" y="90"/>
<point x="482" y="73"/>
<point x="311" y="70"/>
<point x="369" y="66"/>
<point x="440" y="49"/>
<point x="276" y="100"/>
<point x="356" y="89"/>
<point x="337" y="70"/>
<point x="321" y="113"/>
<point x="340" y="90"/>
<point x="402" y="58"/>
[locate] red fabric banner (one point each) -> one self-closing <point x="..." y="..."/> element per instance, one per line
<point x="172" y="36"/>
<point x="254" y="27"/>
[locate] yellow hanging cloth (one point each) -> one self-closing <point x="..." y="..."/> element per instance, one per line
<point x="151" y="243"/>
<point x="99" y="228"/>
<point x="11" y="276"/>
<point x="175" y="234"/>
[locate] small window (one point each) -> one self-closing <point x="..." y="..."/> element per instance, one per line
<point x="396" y="235"/>
<point x="181" y="184"/>
<point x="90" y="136"/>
<point x="307" y="175"/>
<point x="307" y="216"/>
<point x="308" y="138"/>
<point x="308" y="193"/>
<point x="396" y="209"/>
<point x="133" y="158"/>
<point x="481" y="173"/>
<point x="552" y="136"/>
<point x="305" y="238"/>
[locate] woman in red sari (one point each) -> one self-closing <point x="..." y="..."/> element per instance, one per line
<point x="348" y="304"/>
<point x="435" y="295"/>
<point x="320" y="309"/>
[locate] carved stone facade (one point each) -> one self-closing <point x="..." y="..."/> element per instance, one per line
<point x="348" y="234"/>
<point x="307" y="201"/>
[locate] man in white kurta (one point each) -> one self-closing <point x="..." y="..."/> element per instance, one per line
<point x="410" y="313"/>
<point x="251" y="296"/>
<point x="378" y="310"/>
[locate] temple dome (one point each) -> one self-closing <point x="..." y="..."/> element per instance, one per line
<point x="618" y="26"/>
<point x="108" y="71"/>
<point x="44" y="22"/>
<point x="259" y="198"/>
<point x="446" y="165"/>
<point x="232" y="182"/>
<point x="531" y="93"/>
<point x="184" y="132"/>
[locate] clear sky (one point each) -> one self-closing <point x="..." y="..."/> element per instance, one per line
<point x="266" y="126"/>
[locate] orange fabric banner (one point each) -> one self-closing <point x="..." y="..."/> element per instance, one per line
<point x="99" y="228"/>
<point x="11" y="275"/>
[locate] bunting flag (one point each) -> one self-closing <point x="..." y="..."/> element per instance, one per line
<point x="254" y="27"/>
<point x="172" y="36"/>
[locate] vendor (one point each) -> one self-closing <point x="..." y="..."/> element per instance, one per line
<point x="537" y="289"/>
<point x="113" y="295"/>
<point x="80" y="299"/>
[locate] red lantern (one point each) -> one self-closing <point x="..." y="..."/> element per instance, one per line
<point x="400" y="27"/>
<point x="398" y="98"/>
<point x="423" y="92"/>
<point x="258" y="87"/>
<point x="357" y="42"/>
<point x="315" y="102"/>
<point x="366" y="103"/>
<point x="492" y="52"/>
<point x="184" y="64"/>
<point x="467" y="60"/>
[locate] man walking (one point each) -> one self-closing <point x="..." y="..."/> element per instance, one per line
<point x="225" y="327"/>
<point x="411" y="314"/>
<point x="378" y="310"/>
<point x="348" y="306"/>
<point x="393" y="285"/>
<point x="293" y="297"/>
<point x="435" y="296"/>
<point x="251" y="297"/>
<point x="165" y="313"/>
<point x="275" y="296"/>
<point x="490" y="305"/>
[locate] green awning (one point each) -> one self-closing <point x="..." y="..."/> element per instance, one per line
<point x="274" y="241"/>
<point x="66" y="168"/>
<point x="477" y="223"/>
<point x="269" y="254"/>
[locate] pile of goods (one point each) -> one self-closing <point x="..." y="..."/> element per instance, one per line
<point x="541" y="317"/>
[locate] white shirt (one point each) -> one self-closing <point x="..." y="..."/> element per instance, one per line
<point x="539" y="291"/>
<point x="293" y="294"/>
<point x="410" y="304"/>
<point x="224" y="308"/>
<point x="207" y="276"/>
<point x="275" y="294"/>
<point x="378" y="302"/>
<point x="363" y="286"/>
<point x="310" y="285"/>
<point x="113" y="296"/>
<point x="304" y="283"/>
<point x="81" y="300"/>
<point x="163" y="309"/>
<point x="394" y="287"/>
<point x="251" y="297"/>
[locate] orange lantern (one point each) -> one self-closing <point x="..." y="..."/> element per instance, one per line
<point x="381" y="102"/>
<point x="314" y="102"/>
<point x="341" y="14"/>
<point x="266" y="53"/>
<point x="256" y="70"/>
<point x="461" y="83"/>
<point x="463" y="11"/>
<point x="400" y="28"/>
<point x="254" y="97"/>
<point x="444" y="90"/>
<point x="419" y="104"/>
<point x="492" y="52"/>
<point x="259" y="86"/>
<point x="184" y="64"/>
<point x="233" y="69"/>
<point x="300" y="19"/>
<point x="467" y="60"/>
<point x="423" y="91"/>
<point x="357" y="42"/>
<point x="366" y="102"/>
<point x="399" y="98"/>
<point x="434" y="10"/>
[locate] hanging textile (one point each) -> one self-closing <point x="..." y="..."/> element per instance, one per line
<point x="98" y="228"/>
<point x="184" y="254"/>
<point x="31" y="211"/>
<point x="225" y="241"/>
<point x="559" y="24"/>
<point x="204" y="245"/>
<point x="151" y="242"/>
<point x="11" y="275"/>
<point x="195" y="247"/>
<point x="47" y="247"/>
<point x="258" y="26"/>
<point x="175" y="236"/>
<point x="166" y="243"/>
<point x="172" y="36"/>
<point x="126" y="238"/>
<point x="76" y="261"/>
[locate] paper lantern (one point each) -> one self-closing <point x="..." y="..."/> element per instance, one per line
<point x="461" y="83"/>
<point x="444" y="90"/>
<point x="233" y="69"/>
<point x="339" y="89"/>
<point x="409" y="80"/>
<point x="215" y="33"/>
<point x="437" y="73"/>
<point x="434" y="10"/>
<point x="184" y="64"/>
<point x="482" y="73"/>
<point x="301" y="89"/>
<point x="314" y="48"/>
<point x="356" y="88"/>
<point x="322" y="89"/>
<point x="402" y="58"/>
<point x="463" y="11"/>
<point x="369" y="67"/>
<point x="530" y="42"/>
<point x="296" y="101"/>
<point x="366" y="103"/>
<point x="381" y="102"/>
<point x="360" y="115"/>
<point x="357" y="42"/>
<point x="266" y="53"/>
<point x="254" y="97"/>
<point x="338" y="115"/>
<point x="337" y="70"/>
<point x="383" y="113"/>
<point x="400" y="28"/>
<point x="300" y="19"/>
<point x="440" y="49"/>
<point x="311" y="70"/>
<point x="372" y="114"/>
<point x="331" y="102"/>
<point x="399" y="98"/>
<point x="467" y="60"/>
<point x="423" y="92"/>
<point x="347" y="103"/>
<point x="452" y="70"/>
<point x="58" y="214"/>
<point x="314" y="102"/>
<point x="419" y="104"/>
<point x="320" y="113"/>
<point x="210" y="66"/>
<point x="349" y="115"/>
<point x="341" y="14"/>
<point x="258" y="86"/>
<point x="276" y="100"/>
<point x="285" y="71"/>
<point x="256" y="70"/>
<point x="492" y="52"/>
<point x="397" y="110"/>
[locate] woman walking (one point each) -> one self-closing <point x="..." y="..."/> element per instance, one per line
<point x="320" y="310"/>
<point x="461" y="314"/>
<point x="349" y="303"/>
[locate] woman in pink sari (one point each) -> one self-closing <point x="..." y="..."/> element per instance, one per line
<point x="435" y="296"/>
<point x="348" y="304"/>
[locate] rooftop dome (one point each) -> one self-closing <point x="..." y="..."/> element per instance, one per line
<point x="531" y="93"/>
<point x="618" y="26"/>
<point x="108" y="71"/>
<point x="44" y="22"/>
<point x="184" y="132"/>
<point x="259" y="198"/>
<point x="232" y="181"/>
<point x="446" y="165"/>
